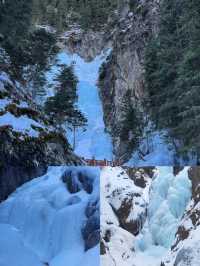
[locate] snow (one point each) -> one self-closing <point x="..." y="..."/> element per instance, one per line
<point x="160" y="153"/>
<point x="94" y="141"/>
<point x="4" y="78"/>
<point x="120" y="251"/>
<point x="116" y="186"/>
<point x="187" y="250"/>
<point x="187" y="253"/>
<point x="23" y="123"/>
<point x="45" y="217"/>
<point x="4" y="103"/>
<point x="20" y="124"/>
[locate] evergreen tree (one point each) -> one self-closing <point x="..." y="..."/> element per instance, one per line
<point x="42" y="50"/>
<point x="88" y="13"/>
<point x="15" y="21"/>
<point x="30" y="50"/>
<point x="62" y="106"/>
<point x="131" y="124"/>
<point x="172" y="72"/>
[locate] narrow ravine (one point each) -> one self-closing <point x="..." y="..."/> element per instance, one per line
<point x="92" y="141"/>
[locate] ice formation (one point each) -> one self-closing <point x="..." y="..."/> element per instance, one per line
<point x="94" y="141"/>
<point x="42" y="221"/>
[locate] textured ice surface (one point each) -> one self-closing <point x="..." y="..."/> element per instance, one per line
<point x="93" y="141"/>
<point x="49" y="220"/>
<point x="169" y="196"/>
<point x="167" y="199"/>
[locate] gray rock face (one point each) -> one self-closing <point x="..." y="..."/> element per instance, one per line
<point x="87" y="44"/>
<point x="124" y="69"/>
<point x="127" y="32"/>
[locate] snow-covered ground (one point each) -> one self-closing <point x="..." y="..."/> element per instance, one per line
<point x="121" y="202"/>
<point x="16" y="99"/>
<point x="159" y="152"/>
<point x="94" y="141"/>
<point x="166" y="197"/>
<point x="20" y="124"/>
<point x="157" y="149"/>
<point x="41" y="223"/>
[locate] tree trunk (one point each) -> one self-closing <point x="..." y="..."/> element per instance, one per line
<point x="74" y="137"/>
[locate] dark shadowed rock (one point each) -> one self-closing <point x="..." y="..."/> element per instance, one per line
<point x="76" y="180"/>
<point x="91" y="229"/>
<point x="127" y="207"/>
<point x="24" y="159"/>
<point x="177" y="169"/>
<point x="102" y="248"/>
<point x="140" y="176"/>
<point x="92" y="240"/>
<point x="194" y="175"/>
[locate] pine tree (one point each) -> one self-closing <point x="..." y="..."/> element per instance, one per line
<point x="188" y="82"/>
<point x="62" y="106"/>
<point x="131" y="124"/>
<point x="172" y="72"/>
<point x="15" y="21"/>
<point x="42" y="50"/>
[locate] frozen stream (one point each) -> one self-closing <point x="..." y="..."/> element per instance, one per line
<point x="94" y="141"/>
<point x="168" y="198"/>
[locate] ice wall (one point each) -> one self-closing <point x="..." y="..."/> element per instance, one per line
<point x="93" y="141"/>
<point x="169" y="196"/>
<point x="45" y="220"/>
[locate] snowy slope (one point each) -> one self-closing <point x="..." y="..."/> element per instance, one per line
<point x="13" y="99"/>
<point x="117" y="240"/>
<point x="42" y="221"/>
<point x="93" y="141"/>
<point x="156" y="149"/>
<point x="159" y="152"/>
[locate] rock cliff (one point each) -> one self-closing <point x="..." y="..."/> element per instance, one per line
<point x="126" y="34"/>
<point x="28" y="141"/>
<point x="124" y="69"/>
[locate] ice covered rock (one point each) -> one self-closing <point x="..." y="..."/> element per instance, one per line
<point x="50" y="220"/>
<point x="91" y="229"/>
<point x="77" y="180"/>
<point x="126" y="199"/>
<point x="123" y="213"/>
<point x="186" y="249"/>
